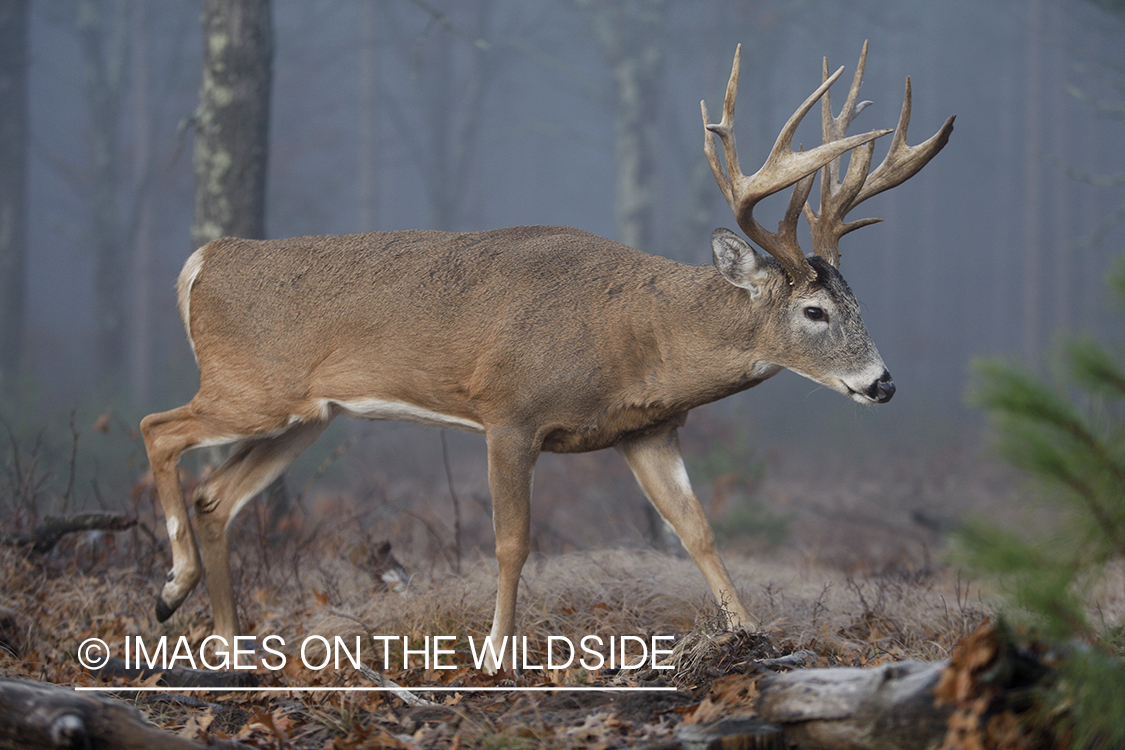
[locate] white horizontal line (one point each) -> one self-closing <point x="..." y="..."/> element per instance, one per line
<point x="435" y="689"/>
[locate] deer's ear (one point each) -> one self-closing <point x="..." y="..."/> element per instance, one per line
<point x="738" y="262"/>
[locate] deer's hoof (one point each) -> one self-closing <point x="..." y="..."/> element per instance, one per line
<point x="163" y="611"/>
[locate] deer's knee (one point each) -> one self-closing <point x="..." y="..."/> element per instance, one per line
<point x="512" y="551"/>
<point x="206" y="498"/>
<point x="211" y="515"/>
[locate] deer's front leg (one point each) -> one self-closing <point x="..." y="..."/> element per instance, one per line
<point x="659" y="468"/>
<point x="511" y="464"/>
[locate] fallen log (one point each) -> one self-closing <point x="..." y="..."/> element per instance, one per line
<point x="11" y="632"/>
<point x="47" y="534"/>
<point x="889" y="707"/>
<point x="40" y="715"/>
<point x="735" y="732"/>
<point x="980" y="698"/>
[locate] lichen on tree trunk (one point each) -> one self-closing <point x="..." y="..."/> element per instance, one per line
<point x="232" y="121"/>
<point x="631" y="38"/>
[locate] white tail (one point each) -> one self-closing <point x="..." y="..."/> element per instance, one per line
<point x="541" y="338"/>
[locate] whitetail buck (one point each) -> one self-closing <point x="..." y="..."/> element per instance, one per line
<point x="542" y="338"/>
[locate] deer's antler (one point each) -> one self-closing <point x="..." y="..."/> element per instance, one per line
<point x="900" y="164"/>
<point x="783" y="167"/>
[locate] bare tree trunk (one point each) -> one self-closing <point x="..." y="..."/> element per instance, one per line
<point x="103" y="32"/>
<point x="445" y="139"/>
<point x="630" y="35"/>
<point x="444" y="182"/>
<point x="928" y="227"/>
<point x="232" y="122"/>
<point x="232" y="132"/>
<point x="1033" y="188"/>
<point x="13" y="185"/>
<point x="1063" y="235"/>
<point x="367" y="188"/>
<point x="141" y="328"/>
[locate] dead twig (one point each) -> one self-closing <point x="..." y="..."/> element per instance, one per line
<point x="456" y="503"/>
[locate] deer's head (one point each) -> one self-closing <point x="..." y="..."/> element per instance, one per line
<point x="812" y="321"/>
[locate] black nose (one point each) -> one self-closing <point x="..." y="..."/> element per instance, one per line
<point x="884" y="388"/>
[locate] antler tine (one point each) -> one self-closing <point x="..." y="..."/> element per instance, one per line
<point x="837" y="198"/>
<point x="900" y="164"/>
<point x="835" y="128"/>
<point x="903" y="162"/>
<point x="783" y="167"/>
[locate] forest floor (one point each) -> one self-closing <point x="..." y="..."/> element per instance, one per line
<point x="861" y="575"/>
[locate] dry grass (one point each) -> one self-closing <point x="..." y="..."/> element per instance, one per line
<point x="605" y="592"/>
<point x="858" y="578"/>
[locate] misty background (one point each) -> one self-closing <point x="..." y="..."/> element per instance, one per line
<point x="474" y="115"/>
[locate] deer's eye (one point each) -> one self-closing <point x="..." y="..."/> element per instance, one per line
<point x="816" y="313"/>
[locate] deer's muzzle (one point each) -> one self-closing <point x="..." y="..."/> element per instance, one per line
<point x="882" y="389"/>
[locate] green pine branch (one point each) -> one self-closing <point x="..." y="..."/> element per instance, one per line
<point x="1071" y="437"/>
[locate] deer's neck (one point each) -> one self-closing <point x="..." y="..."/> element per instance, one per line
<point x="704" y="340"/>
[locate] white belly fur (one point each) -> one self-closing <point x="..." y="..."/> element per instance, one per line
<point x="374" y="408"/>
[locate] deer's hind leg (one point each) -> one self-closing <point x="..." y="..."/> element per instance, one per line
<point x="254" y="463"/>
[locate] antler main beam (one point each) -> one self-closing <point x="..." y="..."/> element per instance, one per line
<point x="783" y="167"/>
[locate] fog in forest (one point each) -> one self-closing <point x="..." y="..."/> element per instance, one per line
<point x="475" y="115"/>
